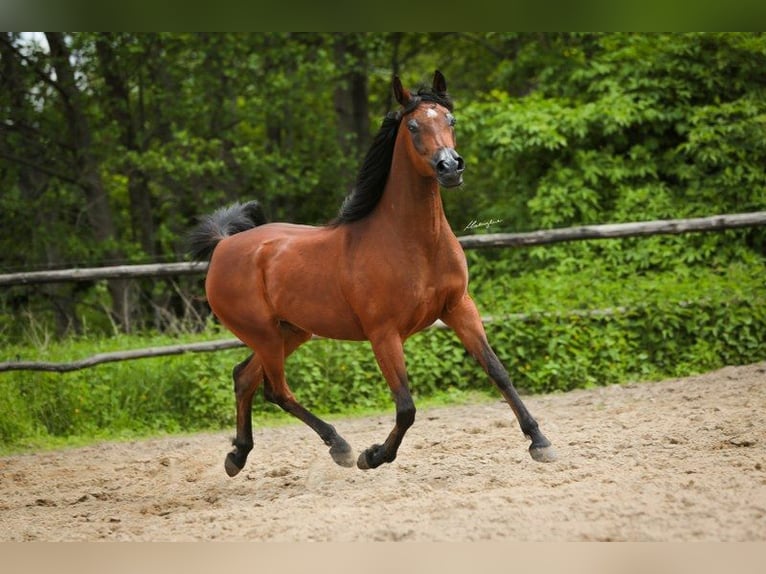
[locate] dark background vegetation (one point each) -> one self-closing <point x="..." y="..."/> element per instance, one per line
<point x="111" y="146"/>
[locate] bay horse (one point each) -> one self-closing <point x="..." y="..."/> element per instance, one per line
<point x="387" y="267"/>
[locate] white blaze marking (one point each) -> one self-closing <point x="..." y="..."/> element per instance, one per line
<point x="431" y="113"/>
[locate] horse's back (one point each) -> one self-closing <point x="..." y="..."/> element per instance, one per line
<point x="286" y="273"/>
<point x="242" y="250"/>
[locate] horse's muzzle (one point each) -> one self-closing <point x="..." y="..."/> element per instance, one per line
<point x="449" y="167"/>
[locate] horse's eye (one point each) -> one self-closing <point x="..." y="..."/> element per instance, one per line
<point x="412" y="125"/>
<point x="451" y="120"/>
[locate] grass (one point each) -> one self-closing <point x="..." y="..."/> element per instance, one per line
<point x="265" y="417"/>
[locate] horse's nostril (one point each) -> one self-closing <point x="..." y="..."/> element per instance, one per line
<point x="448" y="162"/>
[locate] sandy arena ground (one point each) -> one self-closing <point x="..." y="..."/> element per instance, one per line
<point x="678" y="460"/>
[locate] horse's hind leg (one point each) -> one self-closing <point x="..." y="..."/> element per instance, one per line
<point x="248" y="376"/>
<point x="275" y="390"/>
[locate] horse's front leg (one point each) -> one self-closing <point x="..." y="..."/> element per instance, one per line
<point x="464" y="319"/>
<point x="389" y="353"/>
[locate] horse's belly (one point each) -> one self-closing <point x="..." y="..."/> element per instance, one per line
<point x="330" y="325"/>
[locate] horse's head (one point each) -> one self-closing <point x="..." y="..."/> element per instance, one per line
<point x="430" y="133"/>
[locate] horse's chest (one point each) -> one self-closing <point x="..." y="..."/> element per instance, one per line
<point x="421" y="302"/>
<point x="426" y="282"/>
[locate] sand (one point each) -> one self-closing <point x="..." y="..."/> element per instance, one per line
<point x="677" y="460"/>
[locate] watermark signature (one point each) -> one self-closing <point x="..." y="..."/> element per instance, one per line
<point x="475" y="224"/>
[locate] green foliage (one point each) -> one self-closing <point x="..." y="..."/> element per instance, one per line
<point x="624" y="127"/>
<point x="665" y="322"/>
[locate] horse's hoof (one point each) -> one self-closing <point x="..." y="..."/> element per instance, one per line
<point x="362" y="461"/>
<point x="543" y="453"/>
<point x="232" y="469"/>
<point x="343" y="455"/>
<point x="373" y="457"/>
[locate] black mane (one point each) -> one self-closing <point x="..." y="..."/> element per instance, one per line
<point x="372" y="176"/>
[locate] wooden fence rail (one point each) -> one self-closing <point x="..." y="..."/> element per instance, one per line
<point x="544" y="237"/>
<point x="616" y="230"/>
<point x="111" y="357"/>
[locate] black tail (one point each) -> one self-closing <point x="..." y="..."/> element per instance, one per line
<point x="223" y="222"/>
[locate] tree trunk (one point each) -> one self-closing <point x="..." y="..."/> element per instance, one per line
<point x="32" y="185"/>
<point x="351" y="98"/>
<point x="86" y="167"/>
<point x="118" y="104"/>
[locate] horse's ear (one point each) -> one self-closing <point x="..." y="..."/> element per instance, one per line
<point x="440" y="83"/>
<point x="401" y="93"/>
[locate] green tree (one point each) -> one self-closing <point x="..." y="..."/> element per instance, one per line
<point x="623" y="127"/>
<point x="141" y="133"/>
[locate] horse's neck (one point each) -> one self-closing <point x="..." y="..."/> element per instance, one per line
<point x="411" y="206"/>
